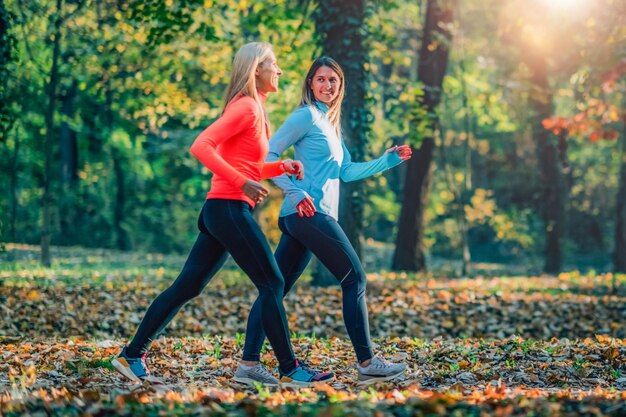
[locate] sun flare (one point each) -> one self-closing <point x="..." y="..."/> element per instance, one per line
<point x="565" y="4"/>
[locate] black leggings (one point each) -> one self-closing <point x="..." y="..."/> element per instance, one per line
<point x="320" y="235"/>
<point x="226" y="226"/>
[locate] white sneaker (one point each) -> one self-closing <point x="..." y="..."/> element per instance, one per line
<point x="250" y="374"/>
<point x="379" y="370"/>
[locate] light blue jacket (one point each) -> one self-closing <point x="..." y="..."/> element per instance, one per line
<point x="325" y="158"/>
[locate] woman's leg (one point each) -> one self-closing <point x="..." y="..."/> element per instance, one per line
<point x="292" y="258"/>
<point x="206" y="257"/>
<point x="325" y="238"/>
<point x="231" y="222"/>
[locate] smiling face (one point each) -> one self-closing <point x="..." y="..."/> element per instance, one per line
<point x="325" y="85"/>
<point x="267" y="73"/>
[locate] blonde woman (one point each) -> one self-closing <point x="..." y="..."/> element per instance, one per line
<point x="234" y="148"/>
<point x="308" y="217"/>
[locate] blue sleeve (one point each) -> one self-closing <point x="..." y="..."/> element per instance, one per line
<point x="354" y="171"/>
<point x="295" y="127"/>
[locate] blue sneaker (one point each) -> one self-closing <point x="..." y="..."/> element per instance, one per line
<point x="134" y="369"/>
<point x="303" y="376"/>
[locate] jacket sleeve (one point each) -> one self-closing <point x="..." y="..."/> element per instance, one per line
<point x="295" y="128"/>
<point x="237" y="117"/>
<point x="272" y="169"/>
<point x="354" y="171"/>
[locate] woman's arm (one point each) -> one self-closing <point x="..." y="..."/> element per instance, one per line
<point x="353" y="171"/>
<point x="295" y="128"/>
<point x="238" y="117"/>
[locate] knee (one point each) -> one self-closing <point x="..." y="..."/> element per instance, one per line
<point x="275" y="287"/>
<point x="355" y="278"/>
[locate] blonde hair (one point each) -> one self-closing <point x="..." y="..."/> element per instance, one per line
<point x="243" y="76"/>
<point x="334" y="110"/>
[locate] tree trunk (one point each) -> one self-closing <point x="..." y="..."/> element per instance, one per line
<point x="14" y="167"/>
<point x="410" y="253"/>
<point x="619" y="256"/>
<point x="121" y="239"/>
<point x="467" y="174"/>
<point x="551" y="181"/>
<point x="46" y="232"/>
<point x="69" y="145"/>
<point x="341" y="25"/>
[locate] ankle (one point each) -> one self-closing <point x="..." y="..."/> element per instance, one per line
<point x="365" y="363"/>
<point x="134" y="353"/>
<point x="249" y="363"/>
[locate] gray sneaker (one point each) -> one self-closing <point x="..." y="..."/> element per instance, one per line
<point x="379" y="370"/>
<point x="258" y="374"/>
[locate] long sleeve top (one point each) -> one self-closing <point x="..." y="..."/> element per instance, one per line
<point x="325" y="158"/>
<point x="234" y="148"/>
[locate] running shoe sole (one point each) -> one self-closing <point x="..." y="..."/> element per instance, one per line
<point x="250" y="382"/>
<point x="122" y="366"/>
<point x="374" y="379"/>
<point x="290" y="383"/>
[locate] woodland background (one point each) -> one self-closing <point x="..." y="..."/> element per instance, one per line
<point x="515" y="109"/>
<point x="496" y="257"/>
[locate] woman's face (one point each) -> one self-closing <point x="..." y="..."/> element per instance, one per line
<point x="267" y="74"/>
<point x="325" y="85"/>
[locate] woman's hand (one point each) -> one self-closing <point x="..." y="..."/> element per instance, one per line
<point x="255" y="191"/>
<point x="306" y="207"/>
<point x="404" y="151"/>
<point x="292" y="167"/>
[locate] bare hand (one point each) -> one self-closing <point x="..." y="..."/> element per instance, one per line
<point x="292" y="167"/>
<point x="255" y="191"/>
<point x="306" y="207"/>
<point x="404" y="151"/>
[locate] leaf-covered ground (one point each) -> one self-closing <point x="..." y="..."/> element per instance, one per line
<point x="482" y="346"/>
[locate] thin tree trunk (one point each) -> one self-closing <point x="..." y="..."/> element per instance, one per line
<point x="551" y="181"/>
<point x="458" y="206"/>
<point x="46" y="232"/>
<point x="467" y="174"/>
<point x="69" y="145"/>
<point x="410" y="251"/>
<point x="14" y="179"/>
<point x="619" y="255"/>
<point x="121" y="239"/>
<point x="341" y="24"/>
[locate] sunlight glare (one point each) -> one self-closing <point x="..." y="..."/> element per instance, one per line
<point x="565" y="4"/>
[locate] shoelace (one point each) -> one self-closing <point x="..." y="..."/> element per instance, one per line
<point x="380" y="363"/>
<point x="263" y="371"/>
<point x="307" y="368"/>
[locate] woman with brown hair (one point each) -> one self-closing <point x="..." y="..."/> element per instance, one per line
<point x="308" y="217"/>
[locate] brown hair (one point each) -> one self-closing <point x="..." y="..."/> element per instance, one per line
<point x="334" y="110"/>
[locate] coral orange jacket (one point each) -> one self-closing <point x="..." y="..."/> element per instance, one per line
<point x="234" y="148"/>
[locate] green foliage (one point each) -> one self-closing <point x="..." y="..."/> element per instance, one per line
<point x="141" y="99"/>
<point x="149" y="76"/>
<point x="7" y="55"/>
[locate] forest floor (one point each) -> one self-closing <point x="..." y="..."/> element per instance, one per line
<point x="486" y="346"/>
